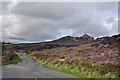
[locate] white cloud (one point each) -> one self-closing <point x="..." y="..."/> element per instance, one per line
<point x="108" y="26"/>
<point x="111" y="24"/>
<point x="12" y="5"/>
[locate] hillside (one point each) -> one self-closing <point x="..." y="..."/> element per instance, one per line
<point x="82" y="57"/>
<point x="67" y="41"/>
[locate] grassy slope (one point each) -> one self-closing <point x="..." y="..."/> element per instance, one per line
<point x="75" y="61"/>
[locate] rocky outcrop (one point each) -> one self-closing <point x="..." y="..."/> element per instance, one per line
<point x="87" y="37"/>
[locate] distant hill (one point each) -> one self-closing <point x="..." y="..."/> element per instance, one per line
<point x="85" y="37"/>
<point x="67" y="41"/>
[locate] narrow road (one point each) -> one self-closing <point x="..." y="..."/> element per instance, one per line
<point x="28" y="68"/>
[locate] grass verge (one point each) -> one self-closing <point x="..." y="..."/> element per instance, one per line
<point x="74" y="71"/>
<point x="11" y="61"/>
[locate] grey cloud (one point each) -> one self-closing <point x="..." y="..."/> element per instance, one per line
<point x="45" y="21"/>
<point x="5" y="8"/>
<point x="45" y="10"/>
<point x="33" y="29"/>
<point x="103" y="6"/>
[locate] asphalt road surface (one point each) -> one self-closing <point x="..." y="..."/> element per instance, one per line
<point x="28" y="68"/>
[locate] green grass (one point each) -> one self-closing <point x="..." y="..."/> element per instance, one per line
<point x="73" y="71"/>
<point x="76" y="71"/>
<point x="11" y="61"/>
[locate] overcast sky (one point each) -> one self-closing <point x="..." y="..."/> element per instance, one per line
<point x="44" y="21"/>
